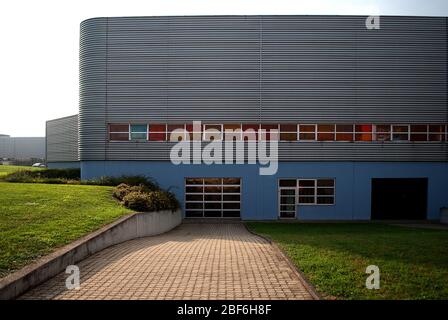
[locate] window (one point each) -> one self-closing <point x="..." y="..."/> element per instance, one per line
<point x="400" y="132"/>
<point x="419" y="132"/>
<point x="212" y="132"/>
<point x="176" y="132"/>
<point x="344" y="132"/>
<point x="363" y="132"/>
<point x="268" y="135"/>
<point x="436" y="132"/>
<point x="139" y="132"/>
<point x="288" y="132"/>
<point x="325" y="191"/>
<point x="382" y="132"/>
<point x="306" y="192"/>
<point x="325" y="132"/>
<point x="157" y="132"/>
<point x="307" y="132"/>
<point x="119" y="132"/>
<point x="232" y="131"/>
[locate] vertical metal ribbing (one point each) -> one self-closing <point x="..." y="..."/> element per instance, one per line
<point x="106" y="58"/>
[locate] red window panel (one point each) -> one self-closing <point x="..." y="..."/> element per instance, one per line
<point x="157" y="132"/>
<point x="344" y="132"/>
<point x="307" y="132"/>
<point x="419" y="132"/>
<point x="119" y="132"/>
<point x="363" y="132"/>
<point x="118" y="136"/>
<point x="288" y="132"/>
<point x="250" y="131"/>
<point x="436" y="132"/>
<point x="268" y="127"/>
<point x="325" y="132"/>
<point x="179" y="135"/>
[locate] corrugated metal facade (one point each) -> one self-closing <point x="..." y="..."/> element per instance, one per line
<point x="22" y="148"/>
<point x="62" y="139"/>
<point x="224" y="69"/>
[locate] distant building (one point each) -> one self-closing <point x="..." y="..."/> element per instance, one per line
<point x="22" y="150"/>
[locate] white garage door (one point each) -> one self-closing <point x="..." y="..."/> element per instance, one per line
<point x="212" y="197"/>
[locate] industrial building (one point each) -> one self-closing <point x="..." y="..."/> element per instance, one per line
<point x="362" y="113"/>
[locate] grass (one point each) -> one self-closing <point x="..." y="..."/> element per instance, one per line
<point x="35" y="219"/>
<point x="413" y="262"/>
<point x="4" y="170"/>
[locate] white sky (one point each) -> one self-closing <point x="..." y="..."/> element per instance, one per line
<point x="40" y="44"/>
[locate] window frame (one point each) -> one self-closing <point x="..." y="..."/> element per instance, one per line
<point x="315" y="196"/>
<point x="307" y="124"/>
<point x="123" y="124"/>
<point x="392" y="133"/>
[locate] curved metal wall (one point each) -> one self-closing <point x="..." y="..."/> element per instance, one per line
<point x="306" y="69"/>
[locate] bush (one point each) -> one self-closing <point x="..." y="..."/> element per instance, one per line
<point x="123" y="189"/>
<point x="138" y="201"/>
<point x="136" y="198"/>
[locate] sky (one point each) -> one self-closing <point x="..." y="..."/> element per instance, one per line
<point x="39" y="53"/>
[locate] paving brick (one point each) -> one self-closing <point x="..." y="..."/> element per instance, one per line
<point x="193" y="261"/>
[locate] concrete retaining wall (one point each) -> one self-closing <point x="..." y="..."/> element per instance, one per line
<point x="130" y="227"/>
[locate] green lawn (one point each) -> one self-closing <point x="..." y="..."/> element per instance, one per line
<point x="37" y="218"/>
<point x="4" y="170"/>
<point x="413" y="262"/>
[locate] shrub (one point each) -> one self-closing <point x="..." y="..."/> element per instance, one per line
<point x="123" y="189"/>
<point x="140" y="199"/>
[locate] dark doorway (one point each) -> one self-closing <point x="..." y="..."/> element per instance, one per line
<point x="399" y="199"/>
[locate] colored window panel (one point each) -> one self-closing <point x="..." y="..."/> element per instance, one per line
<point x="344" y="132"/>
<point x="363" y="132"/>
<point x="307" y="132"/>
<point x="288" y="132"/>
<point x="382" y="132"/>
<point x="325" y="132"/>
<point x="436" y="133"/>
<point x="119" y="132"/>
<point x="419" y="132"/>
<point x="139" y="132"/>
<point x="157" y="132"/>
<point x="400" y="133"/>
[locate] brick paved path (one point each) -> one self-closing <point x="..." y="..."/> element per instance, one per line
<point x="193" y="261"/>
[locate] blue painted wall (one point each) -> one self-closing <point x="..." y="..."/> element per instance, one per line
<point x="64" y="165"/>
<point x="259" y="193"/>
